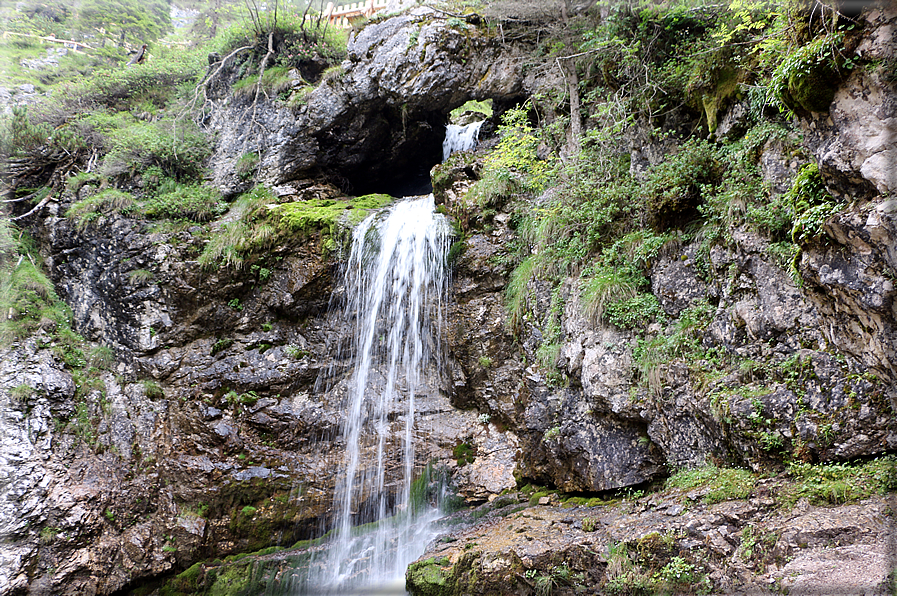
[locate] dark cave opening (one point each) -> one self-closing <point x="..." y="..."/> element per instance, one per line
<point x="393" y="151"/>
<point x="397" y="156"/>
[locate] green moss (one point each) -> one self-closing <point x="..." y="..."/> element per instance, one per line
<point x="808" y="77"/>
<point x="188" y="581"/>
<point x="430" y="577"/>
<point x="323" y="215"/>
<point x="480" y="107"/>
<point x="726" y="86"/>
<point x="230" y="580"/>
<point x="534" y="499"/>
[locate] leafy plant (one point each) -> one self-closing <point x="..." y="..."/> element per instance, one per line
<point x="810" y="203"/>
<point x="463" y="453"/>
<point x="833" y="484"/>
<point x="221" y="344"/>
<point x="807" y="78"/>
<point x="634" y="313"/>
<point x="295" y="352"/>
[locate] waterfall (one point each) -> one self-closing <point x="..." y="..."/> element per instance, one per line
<point x="460" y="138"/>
<point x="395" y="281"/>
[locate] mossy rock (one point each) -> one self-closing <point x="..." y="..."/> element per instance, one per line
<point x="814" y="91"/>
<point x="726" y="87"/>
<point x="430" y="577"/>
<point x="323" y="215"/>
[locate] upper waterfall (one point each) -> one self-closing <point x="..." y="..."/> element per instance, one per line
<point x="460" y="138"/>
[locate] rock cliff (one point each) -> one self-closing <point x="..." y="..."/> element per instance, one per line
<point x="214" y="430"/>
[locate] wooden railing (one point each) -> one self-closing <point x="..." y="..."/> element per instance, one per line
<point x="70" y="44"/>
<point x="345" y="14"/>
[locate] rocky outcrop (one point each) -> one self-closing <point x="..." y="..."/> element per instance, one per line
<point x="671" y="541"/>
<point x="379" y="119"/>
<point x="213" y="430"/>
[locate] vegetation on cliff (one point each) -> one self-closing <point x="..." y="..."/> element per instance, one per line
<point x="660" y="78"/>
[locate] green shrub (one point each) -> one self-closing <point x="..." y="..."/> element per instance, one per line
<point x="116" y="88"/>
<point x="673" y="190"/>
<point x="516" y="152"/>
<point x="195" y="202"/>
<point x="19" y="134"/>
<point x="294" y="40"/>
<point x="77" y="181"/>
<point x="634" y="313"/>
<point x="178" y="148"/>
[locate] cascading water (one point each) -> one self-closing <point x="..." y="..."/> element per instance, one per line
<point x="395" y="281"/>
<point x="460" y="138"/>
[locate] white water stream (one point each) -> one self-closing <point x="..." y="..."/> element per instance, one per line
<point x="460" y="138"/>
<point x="395" y="283"/>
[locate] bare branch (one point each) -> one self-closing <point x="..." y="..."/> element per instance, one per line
<point x="36" y="208"/>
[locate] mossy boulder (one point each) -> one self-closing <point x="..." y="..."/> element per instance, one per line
<point x="814" y="90"/>
<point x="323" y="215"/>
<point x="430" y="577"/>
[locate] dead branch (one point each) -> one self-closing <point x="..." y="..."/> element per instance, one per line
<point x="204" y="84"/>
<point x="36" y="208"/>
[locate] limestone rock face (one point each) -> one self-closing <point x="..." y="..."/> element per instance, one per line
<point x="855" y="142"/>
<point x="216" y="430"/>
